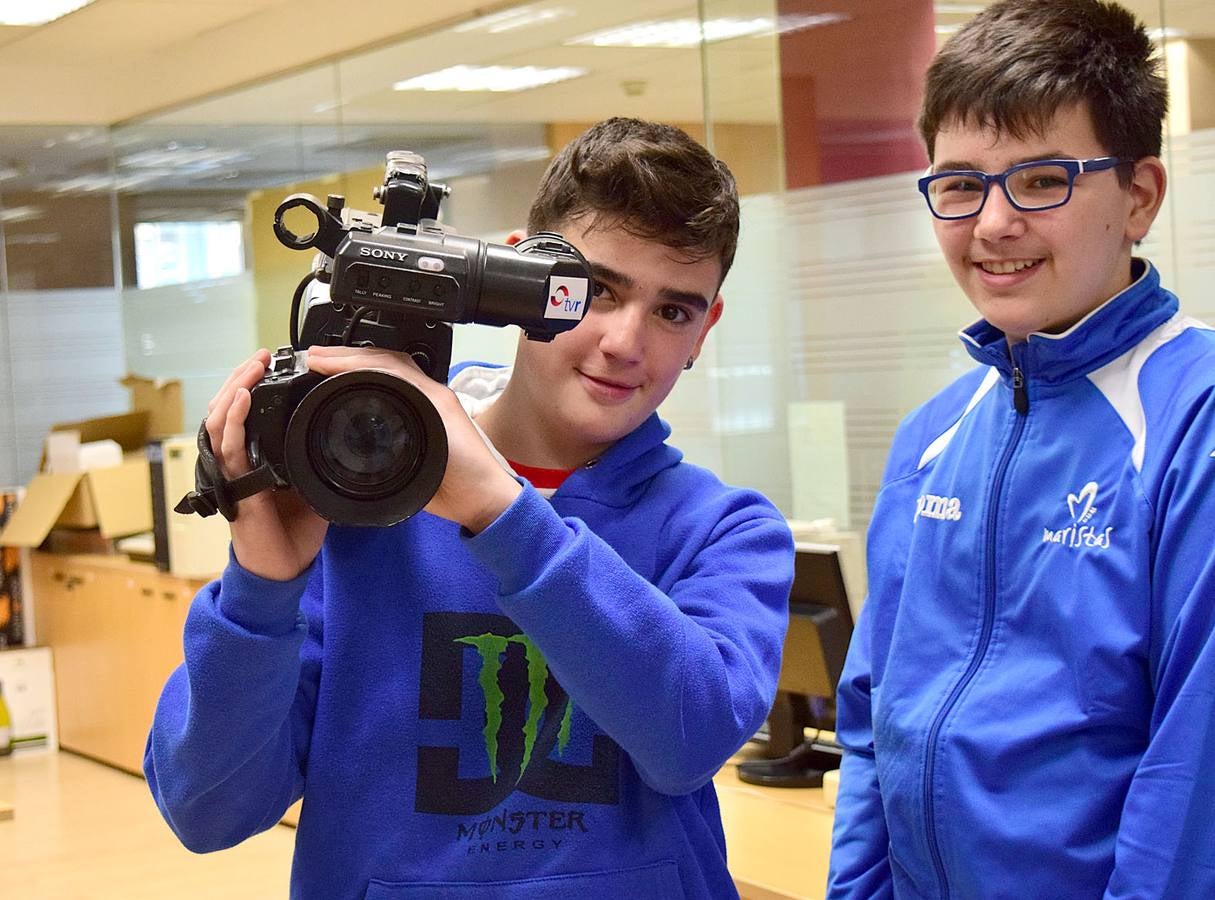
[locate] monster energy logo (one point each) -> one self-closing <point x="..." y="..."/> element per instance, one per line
<point x="492" y="647"/>
<point x="518" y="715"/>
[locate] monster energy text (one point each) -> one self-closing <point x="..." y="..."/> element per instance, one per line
<point x="529" y="829"/>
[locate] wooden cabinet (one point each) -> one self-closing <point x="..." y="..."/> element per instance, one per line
<point x="115" y="628"/>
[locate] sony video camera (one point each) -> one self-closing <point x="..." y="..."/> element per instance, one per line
<point x="366" y="447"/>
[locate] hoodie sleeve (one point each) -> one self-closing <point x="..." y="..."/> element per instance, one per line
<point x="1167" y="831"/>
<point x="680" y="678"/>
<point x="225" y="757"/>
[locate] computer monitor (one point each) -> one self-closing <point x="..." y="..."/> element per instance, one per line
<point x="816" y="644"/>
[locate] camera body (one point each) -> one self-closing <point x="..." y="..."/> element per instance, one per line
<point x="366" y="447"/>
<point x="401" y="284"/>
<point x="272" y="402"/>
<point x="362" y="447"/>
<point x="414" y="283"/>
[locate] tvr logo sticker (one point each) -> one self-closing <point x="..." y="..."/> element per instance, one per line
<point x="567" y="298"/>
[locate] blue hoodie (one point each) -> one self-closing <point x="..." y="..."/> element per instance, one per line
<point x="1028" y="705"/>
<point x="536" y="711"/>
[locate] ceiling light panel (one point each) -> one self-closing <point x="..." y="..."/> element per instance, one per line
<point x="512" y="19"/>
<point x="14" y="214"/>
<point x="488" y="78"/>
<point x="37" y="12"/>
<point x="675" y="33"/>
<point x="801" y="21"/>
<point x="958" y="9"/>
<point x="91" y="184"/>
<point x="178" y="159"/>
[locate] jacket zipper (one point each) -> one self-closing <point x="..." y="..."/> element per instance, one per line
<point x="1021" y="406"/>
<point x="1020" y="396"/>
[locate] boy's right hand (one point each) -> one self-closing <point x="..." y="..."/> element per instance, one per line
<point x="275" y="534"/>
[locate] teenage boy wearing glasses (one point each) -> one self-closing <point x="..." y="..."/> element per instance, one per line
<point x="524" y="691"/>
<point x="1028" y="704"/>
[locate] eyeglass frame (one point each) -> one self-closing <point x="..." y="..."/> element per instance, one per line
<point x="1073" y="167"/>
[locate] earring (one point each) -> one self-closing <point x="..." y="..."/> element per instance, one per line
<point x="688" y="364"/>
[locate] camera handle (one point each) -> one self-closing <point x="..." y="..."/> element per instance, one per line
<point x="213" y="492"/>
<point x="329" y="228"/>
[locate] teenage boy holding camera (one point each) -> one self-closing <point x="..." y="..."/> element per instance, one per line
<point x="1027" y="705"/>
<point x="523" y="691"/>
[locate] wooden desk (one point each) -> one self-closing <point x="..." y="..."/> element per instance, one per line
<point x="778" y="840"/>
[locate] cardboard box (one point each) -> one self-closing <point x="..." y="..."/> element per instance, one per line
<point x="161" y="398"/>
<point x="117" y="500"/>
<point x="78" y="541"/>
<point x="29" y="691"/>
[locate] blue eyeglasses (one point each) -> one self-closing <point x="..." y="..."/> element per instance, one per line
<point x="1029" y="186"/>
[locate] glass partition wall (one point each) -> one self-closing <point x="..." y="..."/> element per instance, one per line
<point x="146" y="247"/>
<point x="61" y="313"/>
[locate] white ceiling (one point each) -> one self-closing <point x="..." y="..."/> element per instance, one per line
<point x="118" y="60"/>
<point x="666" y="83"/>
<point x="258" y="92"/>
<point x="279" y="99"/>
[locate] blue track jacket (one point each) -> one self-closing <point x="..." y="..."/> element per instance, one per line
<point x="1028" y="705"/>
<point x="536" y="711"/>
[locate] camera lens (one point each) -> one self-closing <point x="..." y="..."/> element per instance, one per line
<point x="366" y="441"/>
<point x="366" y="448"/>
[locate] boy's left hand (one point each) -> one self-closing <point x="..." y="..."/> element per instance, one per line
<point x="475" y="489"/>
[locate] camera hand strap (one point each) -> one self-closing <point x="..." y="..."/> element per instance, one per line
<point x="213" y="492"/>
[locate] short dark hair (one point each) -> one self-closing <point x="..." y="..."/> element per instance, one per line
<point x="1018" y="62"/>
<point x="652" y="180"/>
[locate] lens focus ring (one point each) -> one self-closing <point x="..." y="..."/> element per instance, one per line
<point x="366" y="448"/>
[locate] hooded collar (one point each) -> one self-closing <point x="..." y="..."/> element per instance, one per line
<point x="617" y="478"/>
<point x="1103" y="335"/>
